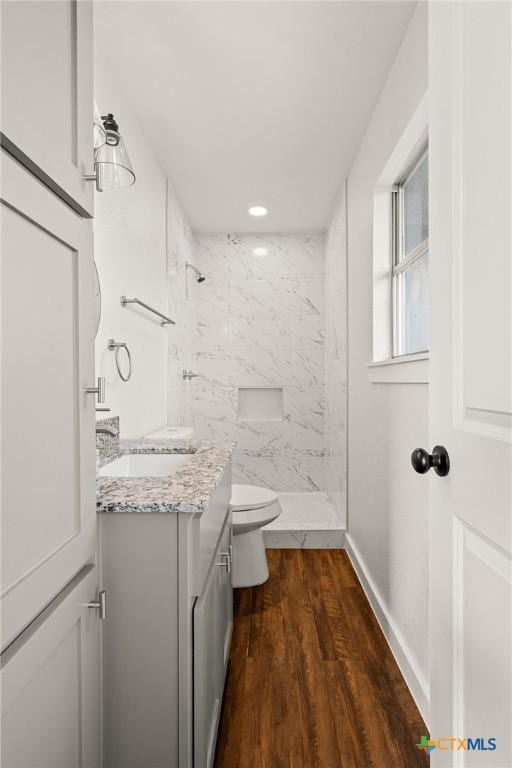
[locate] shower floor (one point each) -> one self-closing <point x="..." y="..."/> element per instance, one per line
<point x="308" y="521"/>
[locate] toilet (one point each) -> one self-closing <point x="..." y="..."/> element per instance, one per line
<point x="252" y="507"/>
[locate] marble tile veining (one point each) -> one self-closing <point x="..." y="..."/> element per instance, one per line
<point x="233" y="256"/>
<point x="300" y="472"/>
<point x="259" y="320"/>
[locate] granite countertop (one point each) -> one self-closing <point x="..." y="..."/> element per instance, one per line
<point x="188" y="491"/>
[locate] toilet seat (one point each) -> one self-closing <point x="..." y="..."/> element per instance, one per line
<point x="251" y="497"/>
<point x="246" y="520"/>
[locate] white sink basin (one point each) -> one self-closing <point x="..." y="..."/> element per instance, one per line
<point x="145" y="465"/>
<point x="172" y="433"/>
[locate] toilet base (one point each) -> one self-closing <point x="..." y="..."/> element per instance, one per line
<point x="249" y="567"/>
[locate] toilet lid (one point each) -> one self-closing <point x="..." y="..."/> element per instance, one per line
<point x="248" y="520"/>
<point x="251" y="497"/>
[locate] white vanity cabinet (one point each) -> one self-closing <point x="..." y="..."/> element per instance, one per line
<point x="166" y="638"/>
<point x="47" y="93"/>
<point x="50" y="681"/>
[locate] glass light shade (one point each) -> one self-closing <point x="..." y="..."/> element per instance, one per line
<point x="112" y="137"/>
<point x="100" y="135"/>
<point x="113" y="166"/>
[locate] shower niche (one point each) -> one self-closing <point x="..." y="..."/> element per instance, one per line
<point x="260" y="404"/>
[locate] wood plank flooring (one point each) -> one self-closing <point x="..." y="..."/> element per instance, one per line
<point x="311" y="681"/>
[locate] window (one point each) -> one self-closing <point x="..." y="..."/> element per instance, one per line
<point x="410" y="259"/>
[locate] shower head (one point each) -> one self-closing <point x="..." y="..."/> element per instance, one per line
<point x="199" y="275"/>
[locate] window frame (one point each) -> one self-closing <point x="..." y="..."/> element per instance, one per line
<point x="400" y="263"/>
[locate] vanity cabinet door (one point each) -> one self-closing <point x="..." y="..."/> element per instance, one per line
<point x="47" y="93"/>
<point x="50" y="681"/>
<point x="48" y="442"/>
<point x="226" y="622"/>
<point x="208" y="655"/>
<point x="212" y="628"/>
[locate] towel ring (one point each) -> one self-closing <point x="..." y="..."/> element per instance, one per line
<point x="115" y="346"/>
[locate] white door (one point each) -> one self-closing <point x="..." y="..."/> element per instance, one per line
<point x="48" y="522"/>
<point x="471" y="382"/>
<point x="47" y="92"/>
<point x="50" y="684"/>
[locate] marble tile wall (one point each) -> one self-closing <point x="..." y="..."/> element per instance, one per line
<point x="258" y="319"/>
<point x="335" y="358"/>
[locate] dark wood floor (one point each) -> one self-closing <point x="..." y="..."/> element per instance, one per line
<point x="311" y="681"/>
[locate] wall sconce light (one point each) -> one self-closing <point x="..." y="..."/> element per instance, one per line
<point x="111" y="162"/>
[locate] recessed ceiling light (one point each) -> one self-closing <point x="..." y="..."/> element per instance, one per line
<point x="260" y="250"/>
<point x="258" y="210"/>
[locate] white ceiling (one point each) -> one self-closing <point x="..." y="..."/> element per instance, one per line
<point x="253" y="103"/>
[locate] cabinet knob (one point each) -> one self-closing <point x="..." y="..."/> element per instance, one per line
<point x="225" y="561"/>
<point x="98" y="390"/>
<point x="100" y="604"/>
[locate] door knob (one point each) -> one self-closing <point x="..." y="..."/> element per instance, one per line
<point x="421" y="460"/>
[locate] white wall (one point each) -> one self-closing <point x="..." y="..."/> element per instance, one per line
<point x="129" y="249"/>
<point x="181" y="307"/>
<point x="335" y="357"/>
<point x="139" y="234"/>
<point x="387" y="501"/>
<point x="260" y="322"/>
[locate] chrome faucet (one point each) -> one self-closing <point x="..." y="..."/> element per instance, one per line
<point x="104" y="429"/>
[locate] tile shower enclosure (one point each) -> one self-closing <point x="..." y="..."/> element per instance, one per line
<point x="271" y="314"/>
<point x="260" y="322"/>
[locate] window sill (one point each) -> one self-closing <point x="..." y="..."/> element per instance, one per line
<point x="408" y="369"/>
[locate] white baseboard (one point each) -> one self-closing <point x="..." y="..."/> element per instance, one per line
<point x="416" y="682"/>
